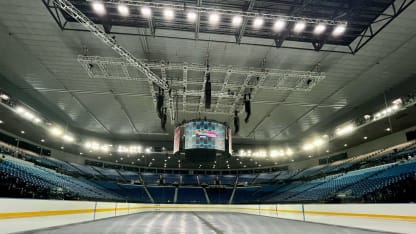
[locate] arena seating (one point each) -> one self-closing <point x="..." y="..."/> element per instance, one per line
<point x="162" y="194"/>
<point x="191" y="195"/>
<point x="31" y="175"/>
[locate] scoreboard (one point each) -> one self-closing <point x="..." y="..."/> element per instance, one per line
<point x="202" y="135"/>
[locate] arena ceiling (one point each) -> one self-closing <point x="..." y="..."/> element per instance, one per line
<point x="44" y="66"/>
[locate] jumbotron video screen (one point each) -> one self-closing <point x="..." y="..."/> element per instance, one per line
<point x="204" y="134"/>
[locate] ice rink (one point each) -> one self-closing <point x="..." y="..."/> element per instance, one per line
<point x="199" y="222"/>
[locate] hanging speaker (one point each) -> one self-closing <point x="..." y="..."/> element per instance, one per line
<point x="208" y="92"/>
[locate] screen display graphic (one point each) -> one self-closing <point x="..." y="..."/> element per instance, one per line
<point x="204" y="134"/>
<point x="177" y="140"/>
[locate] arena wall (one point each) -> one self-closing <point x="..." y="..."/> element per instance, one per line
<point x="18" y="215"/>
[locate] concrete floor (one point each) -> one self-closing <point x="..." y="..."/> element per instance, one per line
<point x="198" y="223"/>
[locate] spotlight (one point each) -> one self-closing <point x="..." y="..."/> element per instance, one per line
<point x="20" y="110"/>
<point x="214" y="18"/>
<point x="104" y="148"/>
<point x="318" y="142"/>
<point x="388" y="129"/>
<point x="68" y="138"/>
<point x="22" y="132"/>
<point x="169" y="14"/>
<point x="299" y="26"/>
<point x="237" y="20"/>
<point x="28" y="115"/>
<point x="257" y="23"/>
<point x="191" y="16"/>
<point x="56" y="131"/>
<point x="123" y="10"/>
<point x="365" y="138"/>
<point x="146" y="12"/>
<point x="307" y="147"/>
<point x="345" y="130"/>
<point x="345" y="145"/>
<point x="340" y="29"/>
<point x="279" y="25"/>
<point x="42" y="140"/>
<point x="320" y="28"/>
<point x="4" y="97"/>
<point x="98" y="7"/>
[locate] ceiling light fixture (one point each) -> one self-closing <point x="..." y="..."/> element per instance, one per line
<point x="191" y="16"/>
<point x="258" y="22"/>
<point x="299" y="26"/>
<point x="123" y="10"/>
<point x="214" y="18"/>
<point x="279" y="25"/>
<point x="347" y="129"/>
<point x="68" y="138"/>
<point x="237" y="20"/>
<point x="169" y="14"/>
<point x="98" y="7"/>
<point x="307" y="147"/>
<point x="146" y="12"/>
<point x="4" y="97"/>
<point x="319" y="29"/>
<point x="340" y="29"/>
<point x="55" y="131"/>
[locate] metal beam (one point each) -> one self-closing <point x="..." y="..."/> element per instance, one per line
<point x="397" y="7"/>
<point x="198" y="20"/>
<point x="224" y="87"/>
<point x="67" y="6"/>
<point x="227" y="12"/>
<point x="240" y="34"/>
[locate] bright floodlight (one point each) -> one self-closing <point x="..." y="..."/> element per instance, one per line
<point x="123" y="10"/>
<point x="104" y="148"/>
<point x="340" y="29"/>
<point x="4" y="97"/>
<point x="345" y="130"/>
<point x="318" y="142"/>
<point x="20" y="110"/>
<point x="28" y="115"/>
<point x="56" y="131"/>
<point x="307" y="147"/>
<point x="279" y="25"/>
<point x="68" y="138"/>
<point x="289" y="152"/>
<point x="191" y="16"/>
<point x="98" y="7"/>
<point x="258" y="22"/>
<point x="214" y="18"/>
<point x="299" y="26"/>
<point x="169" y="14"/>
<point x="237" y="20"/>
<point x="320" y="28"/>
<point x="146" y="12"/>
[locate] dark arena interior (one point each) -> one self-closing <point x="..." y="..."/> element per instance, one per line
<point x="207" y="116"/>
